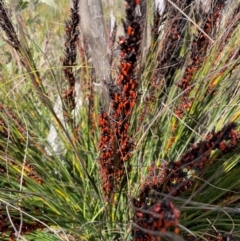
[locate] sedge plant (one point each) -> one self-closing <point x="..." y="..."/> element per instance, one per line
<point x="123" y="128"/>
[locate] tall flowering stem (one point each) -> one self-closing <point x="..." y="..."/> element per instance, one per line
<point x="172" y="178"/>
<point x="167" y="34"/>
<point x="173" y="35"/>
<point x="106" y="148"/>
<point x="23" y="51"/>
<point x="8" y="28"/>
<point x="123" y="96"/>
<point x="72" y="36"/>
<point x="199" y="48"/>
<point x="174" y="175"/>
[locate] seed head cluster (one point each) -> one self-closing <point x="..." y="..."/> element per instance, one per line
<point x="172" y="178"/>
<point x="174" y="175"/>
<point x="72" y="36"/>
<point x="8" y="28"/>
<point x="153" y="220"/>
<point x="198" y="52"/>
<point x="115" y="143"/>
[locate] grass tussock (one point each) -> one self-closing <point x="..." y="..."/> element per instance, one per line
<point x="128" y="132"/>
